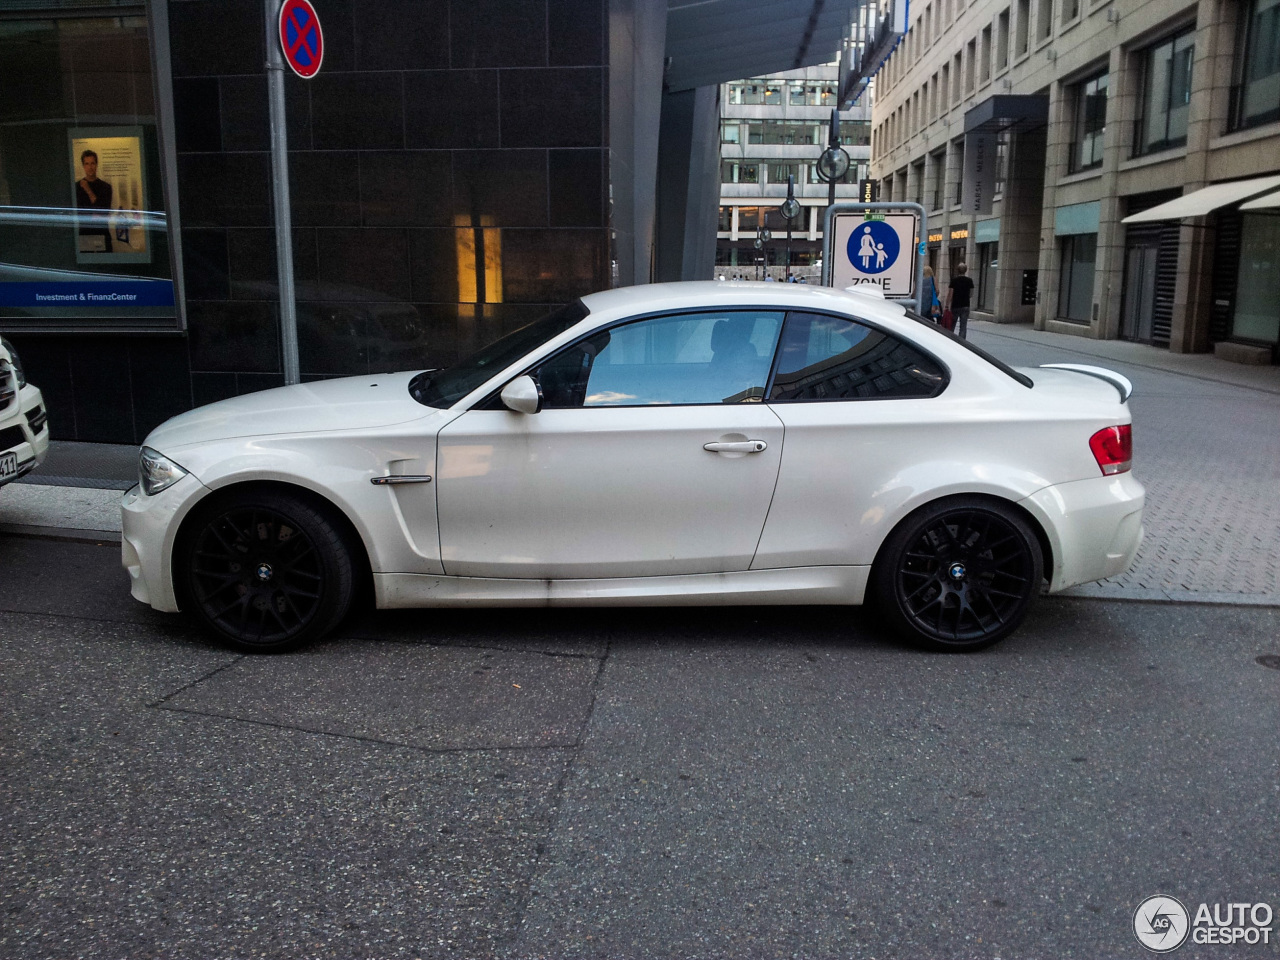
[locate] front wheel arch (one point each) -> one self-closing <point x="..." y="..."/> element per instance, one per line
<point x="363" y="568"/>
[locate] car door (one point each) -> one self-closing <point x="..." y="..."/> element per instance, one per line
<point x="652" y="455"/>
<point x="861" y="409"/>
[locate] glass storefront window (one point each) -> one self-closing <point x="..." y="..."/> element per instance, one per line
<point x="1075" y="285"/>
<point x="988" y="261"/>
<point x="83" y="231"/>
<point x="1166" y="98"/>
<point x="1257" y="313"/>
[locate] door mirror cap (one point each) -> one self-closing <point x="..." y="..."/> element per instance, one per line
<point x="522" y="395"/>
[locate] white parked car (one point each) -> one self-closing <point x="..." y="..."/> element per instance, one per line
<point x="24" y="424"/>
<point x="690" y="443"/>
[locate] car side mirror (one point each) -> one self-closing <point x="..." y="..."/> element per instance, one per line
<point x="523" y="395"/>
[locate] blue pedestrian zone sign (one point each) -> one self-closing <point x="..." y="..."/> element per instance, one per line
<point x="874" y="247"/>
<point x="878" y="249"/>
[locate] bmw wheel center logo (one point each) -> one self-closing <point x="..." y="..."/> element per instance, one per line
<point x="957" y="571"/>
<point x="264" y="571"/>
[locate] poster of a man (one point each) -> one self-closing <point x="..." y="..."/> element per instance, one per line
<point x="109" y="194"/>
<point x="93" y="194"/>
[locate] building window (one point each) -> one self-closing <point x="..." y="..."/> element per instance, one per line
<point x="1166" y="94"/>
<point x="773" y="95"/>
<point x="986" y="55"/>
<point x="731" y="132"/>
<point x="726" y="220"/>
<point x="1044" y="20"/>
<point x="796" y="99"/>
<point x="1257" y="89"/>
<point x="748" y="219"/>
<point x="1090" y="123"/>
<point x="735" y="171"/>
<point x="1070" y="10"/>
<point x="1002" y="39"/>
<point x="971" y="56"/>
<point x="1002" y="150"/>
<point x="1257" y="315"/>
<point x="1024" y="27"/>
<point x="1075" y="285"/>
<point x="778" y="172"/>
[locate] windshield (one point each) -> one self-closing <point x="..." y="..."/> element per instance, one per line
<point x="443" y="388"/>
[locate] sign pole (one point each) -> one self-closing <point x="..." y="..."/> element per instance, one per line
<point x="280" y="196"/>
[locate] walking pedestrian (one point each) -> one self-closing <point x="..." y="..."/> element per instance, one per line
<point x="958" y="294"/>
<point x="930" y="304"/>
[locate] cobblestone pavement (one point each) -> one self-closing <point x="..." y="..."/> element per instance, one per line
<point x="1209" y="455"/>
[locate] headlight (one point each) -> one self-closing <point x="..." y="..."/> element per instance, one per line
<point x="156" y="471"/>
<point x="17" y="364"/>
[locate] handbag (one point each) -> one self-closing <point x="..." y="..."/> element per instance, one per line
<point x="948" y="320"/>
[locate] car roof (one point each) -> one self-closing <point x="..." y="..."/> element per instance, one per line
<point x="656" y="297"/>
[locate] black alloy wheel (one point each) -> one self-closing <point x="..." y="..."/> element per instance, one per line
<point x="959" y="574"/>
<point x="265" y="572"/>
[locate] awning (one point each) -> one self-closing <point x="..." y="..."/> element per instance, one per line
<point x="1269" y="202"/>
<point x="1008" y="111"/>
<point x="1206" y="200"/>
<point x="715" y="41"/>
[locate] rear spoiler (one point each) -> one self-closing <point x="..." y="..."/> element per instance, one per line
<point x="1121" y="383"/>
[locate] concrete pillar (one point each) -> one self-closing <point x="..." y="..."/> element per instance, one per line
<point x="1057" y="144"/>
<point x="688" y="185"/>
<point x="1123" y="92"/>
<point x="637" y="47"/>
<point x="1211" y="78"/>
<point x="1020" y="217"/>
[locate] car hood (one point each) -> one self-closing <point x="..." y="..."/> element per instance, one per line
<point x="348" y="403"/>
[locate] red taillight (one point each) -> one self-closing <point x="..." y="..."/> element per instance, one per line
<point x="1113" y="448"/>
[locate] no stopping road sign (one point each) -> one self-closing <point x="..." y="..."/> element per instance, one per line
<point x="301" y="38"/>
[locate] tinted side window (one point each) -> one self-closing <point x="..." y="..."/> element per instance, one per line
<point x="830" y="358"/>
<point x="721" y="357"/>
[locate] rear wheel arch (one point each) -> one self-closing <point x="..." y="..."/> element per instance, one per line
<point x="961" y="571"/>
<point x="1046" y="547"/>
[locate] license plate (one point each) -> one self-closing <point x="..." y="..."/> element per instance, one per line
<point x="8" y="466"/>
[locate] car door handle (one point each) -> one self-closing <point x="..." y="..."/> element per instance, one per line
<point x="736" y="446"/>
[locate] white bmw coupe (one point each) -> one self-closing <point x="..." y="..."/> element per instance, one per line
<point x="690" y="443"/>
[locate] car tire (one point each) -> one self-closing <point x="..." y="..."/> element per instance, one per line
<point x="959" y="574"/>
<point x="265" y="571"/>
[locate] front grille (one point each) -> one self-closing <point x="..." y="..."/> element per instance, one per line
<point x="37" y="418"/>
<point x="8" y="384"/>
<point x="10" y="437"/>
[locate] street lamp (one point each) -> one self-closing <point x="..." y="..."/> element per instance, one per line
<point x="763" y="236"/>
<point x="834" y="162"/>
<point x="790" y="210"/>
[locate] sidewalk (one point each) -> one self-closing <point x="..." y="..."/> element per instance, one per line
<point x="1201" y="366"/>
<point x="1212" y="525"/>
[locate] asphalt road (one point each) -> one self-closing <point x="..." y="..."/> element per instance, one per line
<point x="736" y="783"/>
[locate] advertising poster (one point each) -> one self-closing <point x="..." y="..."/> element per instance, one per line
<point x="109" y="194"/>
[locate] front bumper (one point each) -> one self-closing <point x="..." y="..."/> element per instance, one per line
<point x="148" y="528"/>
<point x="1094" y="527"/>
<point x="25" y="427"/>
